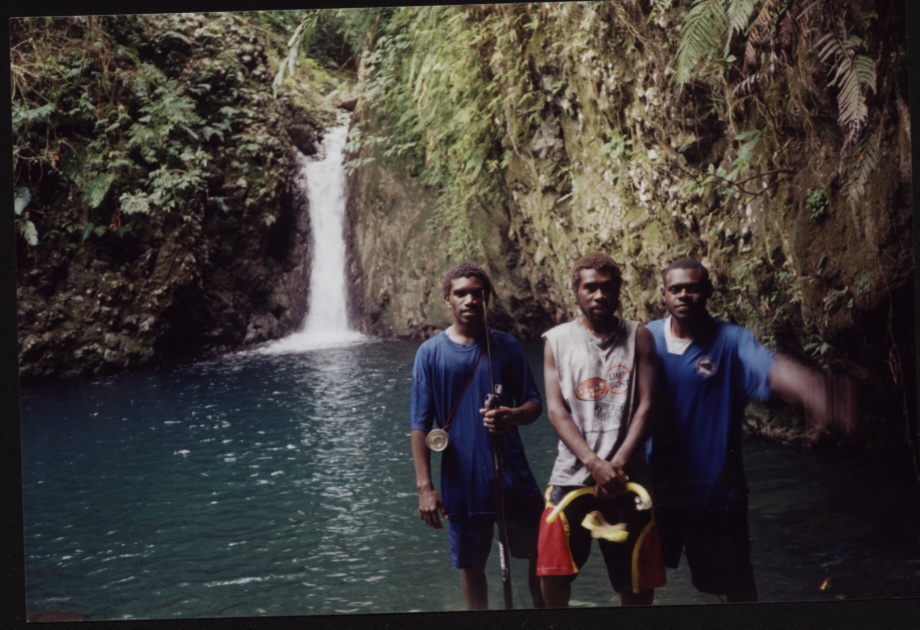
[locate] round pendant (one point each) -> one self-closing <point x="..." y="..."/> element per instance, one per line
<point x="437" y="440"/>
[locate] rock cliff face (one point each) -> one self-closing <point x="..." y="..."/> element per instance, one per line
<point x="616" y="158"/>
<point x="397" y="258"/>
<point x="158" y="221"/>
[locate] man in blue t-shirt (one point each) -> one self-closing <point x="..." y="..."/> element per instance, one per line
<point x="708" y="370"/>
<point x="454" y="372"/>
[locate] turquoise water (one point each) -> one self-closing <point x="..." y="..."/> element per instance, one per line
<point x="255" y="485"/>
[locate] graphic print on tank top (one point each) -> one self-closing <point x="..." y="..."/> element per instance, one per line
<point x="596" y="379"/>
<point x="608" y="396"/>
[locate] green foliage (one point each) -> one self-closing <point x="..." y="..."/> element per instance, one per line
<point x="862" y="163"/>
<point x="818" y="349"/>
<point x="820" y="267"/>
<point x="96" y="189"/>
<point x="785" y="279"/>
<point x="135" y="135"/>
<point x="324" y="39"/>
<point x="21" y="198"/>
<point x="135" y="203"/>
<point x="92" y="229"/>
<point x="617" y="147"/>
<point x="730" y="180"/>
<point x="301" y="38"/>
<point x="785" y="40"/>
<point x="284" y="22"/>
<point x="418" y="64"/>
<point x="864" y="283"/>
<point x="836" y="299"/>
<point x="817" y="203"/>
<point x="29" y="116"/>
<point x="702" y="41"/>
<point x="853" y="73"/>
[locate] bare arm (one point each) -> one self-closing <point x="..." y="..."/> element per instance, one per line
<point x="430" y="503"/>
<point x="639" y="425"/>
<point x="824" y="405"/>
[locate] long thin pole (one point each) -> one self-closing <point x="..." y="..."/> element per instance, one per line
<point x="504" y="555"/>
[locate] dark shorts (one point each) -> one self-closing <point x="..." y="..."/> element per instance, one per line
<point x="717" y="544"/>
<point x="633" y="566"/>
<point x="471" y="537"/>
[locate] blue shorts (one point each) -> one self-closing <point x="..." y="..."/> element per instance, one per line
<point x="471" y="537"/>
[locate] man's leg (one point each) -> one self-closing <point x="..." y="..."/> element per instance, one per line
<point x="562" y="551"/>
<point x="719" y="555"/>
<point x="746" y="594"/>
<point x="475" y="587"/>
<point x="635" y="566"/>
<point x="557" y="589"/>
<point x="741" y="586"/>
<point x="470" y="542"/>
<point x="644" y="598"/>
<point x="536" y="592"/>
<point x="523" y="532"/>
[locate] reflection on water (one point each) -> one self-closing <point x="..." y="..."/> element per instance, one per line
<point x="262" y="484"/>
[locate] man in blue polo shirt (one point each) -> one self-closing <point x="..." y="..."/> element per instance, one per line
<point x="453" y="373"/>
<point x="708" y="370"/>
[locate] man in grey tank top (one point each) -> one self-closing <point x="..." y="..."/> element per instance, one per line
<point x="599" y="371"/>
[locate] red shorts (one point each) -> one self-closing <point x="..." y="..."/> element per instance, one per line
<point x="634" y="565"/>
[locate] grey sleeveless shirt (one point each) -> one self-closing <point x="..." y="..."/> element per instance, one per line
<point x="598" y="381"/>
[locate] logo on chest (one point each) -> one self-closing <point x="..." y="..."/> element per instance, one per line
<point x="616" y="382"/>
<point x="706" y="367"/>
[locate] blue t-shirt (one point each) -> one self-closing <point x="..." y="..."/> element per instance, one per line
<point x="695" y="452"/>
<point x="442" y="369"/>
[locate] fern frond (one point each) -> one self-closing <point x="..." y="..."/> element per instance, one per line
<point x="738" y="13"/>
<point x="300" y="40"/>
<point x="703" y="30"/>
<point x="23" y="196"/>
<point x="853" y="108"/>
<point x="28" y="232"/>
<point x="866" y="160"/>
<point x="852" y="73"/>
<point x="747" y="86"/>
<point x="761" y="36"/>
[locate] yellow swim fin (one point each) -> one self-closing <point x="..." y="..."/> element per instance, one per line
<point x="643" y="500"/>
<point x="600" y="528"/>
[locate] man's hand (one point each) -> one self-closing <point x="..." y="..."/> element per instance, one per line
<point x="832" y="413"/>
<point x="500" y="419"/>
<point x="609" y="477"/>
<point x="430" y="506"/>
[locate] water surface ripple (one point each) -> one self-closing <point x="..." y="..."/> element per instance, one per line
<point x="282" y="484"/>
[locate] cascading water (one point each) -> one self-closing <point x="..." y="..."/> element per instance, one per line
<point x="323" y="178"/>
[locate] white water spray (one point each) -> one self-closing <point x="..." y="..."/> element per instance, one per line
<point x="326" y="323"/>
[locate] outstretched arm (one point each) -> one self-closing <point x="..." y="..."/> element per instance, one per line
<point x="827" y="402"/>
<point x="430" y="503"/>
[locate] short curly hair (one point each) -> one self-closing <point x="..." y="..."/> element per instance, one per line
<point x="467" y="269"/>
<point x="688" y="263"/>
<point x="598" y="262"/>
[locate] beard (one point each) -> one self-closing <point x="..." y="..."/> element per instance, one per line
<point x="600" y="319"/>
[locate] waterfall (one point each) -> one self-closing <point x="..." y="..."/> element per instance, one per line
<point x="323" y="178"/>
